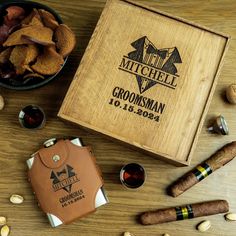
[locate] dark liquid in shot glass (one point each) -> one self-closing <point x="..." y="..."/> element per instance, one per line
<point x="132" y="175"/>
<point x="31" y="117"/>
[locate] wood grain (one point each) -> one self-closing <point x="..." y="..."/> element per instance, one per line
<point x="16" y="144"/>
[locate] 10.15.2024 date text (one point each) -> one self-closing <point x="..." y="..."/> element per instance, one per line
<point x="133" y="109"/>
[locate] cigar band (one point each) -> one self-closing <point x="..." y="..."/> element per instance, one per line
<point x="185" y="212"/>
<point x="202" y="171"/>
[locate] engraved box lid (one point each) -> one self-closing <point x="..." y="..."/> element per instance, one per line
<point x="147" y="79"/>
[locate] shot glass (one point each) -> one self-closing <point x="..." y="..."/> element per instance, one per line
<point x="132" y="175"/>
<point x="32" y="117"/>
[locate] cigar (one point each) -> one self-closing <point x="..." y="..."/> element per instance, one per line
<point x="216" y="161"/>
<point x="184" y="212"/>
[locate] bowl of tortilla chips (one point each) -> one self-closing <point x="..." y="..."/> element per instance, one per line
<point x="34" y="44"/>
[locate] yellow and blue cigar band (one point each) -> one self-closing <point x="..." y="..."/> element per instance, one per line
<point x="185" y="212"/>
<point x="202" y="171"/>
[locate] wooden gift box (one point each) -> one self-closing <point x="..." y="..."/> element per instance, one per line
<point x="147" y="79"/>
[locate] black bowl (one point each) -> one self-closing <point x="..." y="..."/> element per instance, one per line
<point x="30" y="83"/>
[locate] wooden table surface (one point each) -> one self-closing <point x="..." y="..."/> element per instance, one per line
<point x="16" y="143"/>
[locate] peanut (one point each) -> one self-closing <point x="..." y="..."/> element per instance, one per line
<point x="231" y="93"/>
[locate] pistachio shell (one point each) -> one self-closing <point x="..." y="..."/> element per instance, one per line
<point x="16" y="199"/>
<point x="230" y="217"/>
<point x="5" y="230"/>
<point x="127" y="234"/>
<point x="204" y="226"/>
<point x="3" y="220"/>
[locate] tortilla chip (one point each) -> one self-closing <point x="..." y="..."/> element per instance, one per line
<point x="22" y="55"/>
<point x="29" y="18"/>
<point x="46" y="14"/>
<point x="14" y="15"/>
<point x="65" y="40"/>
<point x="52" y="47"/>
<point x="31" y="40"/>
<point x="5" y="55"/>
<point x="36" y="32"/>
<point x="10" y="23"/>
<point x="33" y="75"/>
<point x="15" y="12"/>
<point x="36" y="21"/>
<point x="48" y="63"/>
<point x="52" y="24"/>
<point x="48" y="19"/>
<point x="27" y="68"/>
<point x="32" y="53"/>
<point x="18" y="58"/>
<point x="4" y="32"/>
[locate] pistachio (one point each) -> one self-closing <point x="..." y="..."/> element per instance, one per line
<point x="1" y="102"/>
<point x="16" y="199"/>
<point x="3" y="220"/>
<point x="5" y="230"/>
<point x="230" y="217"/>
<point x="127" y="234"/>
<point x="204" y="226"/>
